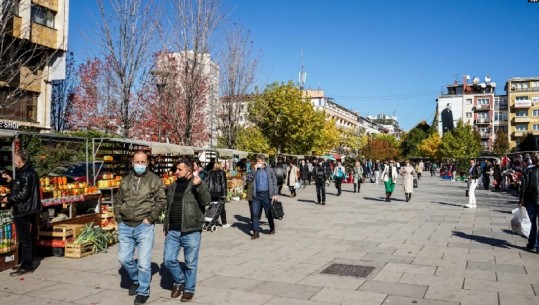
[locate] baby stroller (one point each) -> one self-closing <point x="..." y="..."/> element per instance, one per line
<point x="211" y="217"/>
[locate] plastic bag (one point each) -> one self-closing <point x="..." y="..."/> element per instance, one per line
<point x="521" y="224"/>
<point x="297" y="185"/>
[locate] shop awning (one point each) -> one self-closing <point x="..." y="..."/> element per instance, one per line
<point x="7" y="133"/>
<point x="164" y="148"/>
<point x="225" y="153"/>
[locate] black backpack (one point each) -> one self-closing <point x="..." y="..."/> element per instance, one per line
<point x="320" y="173"/>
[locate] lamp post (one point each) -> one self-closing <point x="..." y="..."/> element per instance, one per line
<point x="160" y="78"/>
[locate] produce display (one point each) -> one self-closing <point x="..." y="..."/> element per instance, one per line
<point x="99" y="238"/>
<point x="107" y="218"/>
<point x="168" y="179"/>
<point x="4" y="190"/>
<point x="8" y="241"/>
<point x="109" y="180"/>
<point x="56" y="187"/>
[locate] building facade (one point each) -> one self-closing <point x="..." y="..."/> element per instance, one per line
<point x="389" y="123"/>
<point x="32" y="55"/>
<point x="523" y="101"/>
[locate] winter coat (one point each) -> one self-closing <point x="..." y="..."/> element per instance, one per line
<point x="529" y="190"/>
<point x="280" y="172"/>
<point x="358" y="173"/>
<point x="386" y="174"/>
<point x="408" y="173"/>
<point x="419" y="169"/>
<point x="305" y="172"/>
<point x="24" y="196"/>
<point x="216" y="182"/>
<point x="272" y="180"/>
<point x="195" y="198"/>
<point x="139" y="197"/>
<point x="292" y="175"/>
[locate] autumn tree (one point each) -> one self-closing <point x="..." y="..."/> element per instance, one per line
<point x="286" y="119"/>
<point x="461" y="144"/>
<point x="63" y="92"/>
<point x="430" y="147"/>
<point x="128" y="28"/>
<point x="381" y="147"/>
<point x="328" y="139"/>
<point x="501" y="143"/>
<point x="237" y="74"/>
<point x="412" y="140"/>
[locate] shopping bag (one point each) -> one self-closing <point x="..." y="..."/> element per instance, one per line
<point x="415" y="183"/>
<point x="297" y="185"/>
<point x="277" y="209"/>
<point x="521" y="224"/>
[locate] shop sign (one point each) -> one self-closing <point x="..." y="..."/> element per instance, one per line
<point x="9" y="125"/>
<point x="523" y="104"/>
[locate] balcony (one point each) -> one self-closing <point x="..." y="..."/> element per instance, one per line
<point x="27" y="79"/>
<point x="483" y="121"/>
<point x="521" y="119"/>
<point x="50" y="4"/>
<point x="485" y="134"/>
<point x="482" y="107"/>
<point x="535" y="132"/>
<point x="501" y="107"/>
<point x="529" y="89"/>
<point x="44" y="36"/>
<point x="14" y="27"/>
<point x="519" y="133"/>
<point x="522" y="104"/>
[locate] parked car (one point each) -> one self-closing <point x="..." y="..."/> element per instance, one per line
<point x="76" y="171"/>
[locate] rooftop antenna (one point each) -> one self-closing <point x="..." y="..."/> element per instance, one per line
<point x="302" y="74"/>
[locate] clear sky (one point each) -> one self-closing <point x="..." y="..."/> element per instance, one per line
<point x="379" y="55"/>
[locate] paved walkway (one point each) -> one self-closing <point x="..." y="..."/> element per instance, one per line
<point x="429" y="251"/>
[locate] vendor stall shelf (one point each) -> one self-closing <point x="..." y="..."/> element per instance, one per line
<point x="8" y="241"/>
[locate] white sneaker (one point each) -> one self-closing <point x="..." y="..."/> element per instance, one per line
<point x="470" y="206"/>
<point x="225" y="226"/>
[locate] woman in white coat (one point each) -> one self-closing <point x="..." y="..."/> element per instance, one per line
<point x="389" y="176"/>
<point x="292" y="177"/>
<point x="408" y="172"/>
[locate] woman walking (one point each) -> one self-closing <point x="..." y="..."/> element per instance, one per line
<point x="407" y="173"/>
<point x="339" y="174"/>
<point x="358" y="176"/>
<point x="389" y="176"/>
<point x="292" y="177"/>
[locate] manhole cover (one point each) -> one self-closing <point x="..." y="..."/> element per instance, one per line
<point x="348" y="270"/>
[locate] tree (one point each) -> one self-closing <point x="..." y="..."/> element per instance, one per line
<point x="462" y="144"/>
<point x="127" y="30"/>
<point x="286" y="119"/>
<point x="238" y="67"/>
<point x="63" y="92"/>
<point x="381" y="147"/>
<point x="412" y="140"/>
<point x="430" y="147"/>
<point x="501" y="143"/>
<point x="527" y="143"/>
<point x="328" y="139"/>
<point x="251" y="139"/>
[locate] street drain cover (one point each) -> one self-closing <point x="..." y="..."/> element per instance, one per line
<point x="348" y="270"/>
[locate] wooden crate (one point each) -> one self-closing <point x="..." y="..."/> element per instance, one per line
<point x="78" y="250"/>
<point x="58" y="231"/>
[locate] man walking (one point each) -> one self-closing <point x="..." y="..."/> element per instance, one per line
<point x="280" y="173"/>
<point x="24" y="198"/>
<point x="186" y="201"/>
<point x="137" y="205"/>
<point x="320" y="176"/>
<point x="529" y="198"/>
<point x="264" y="191"/>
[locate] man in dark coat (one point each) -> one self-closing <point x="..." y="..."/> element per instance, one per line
<point x="529" y="198"/>
<point x="280" y="173"/>
<point x="26" y="203"/>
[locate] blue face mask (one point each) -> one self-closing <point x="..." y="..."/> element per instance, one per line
<point x="139" y="169"/>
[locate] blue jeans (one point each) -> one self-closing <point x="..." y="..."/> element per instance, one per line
<point x="140" y="236"/>
<point x="190" y="242"/>
<point x="262" y="199"/>
<point x="533" y="212"/>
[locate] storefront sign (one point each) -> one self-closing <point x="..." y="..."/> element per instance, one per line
<point x="9" y="124"/>
<point x="523" y="104"/>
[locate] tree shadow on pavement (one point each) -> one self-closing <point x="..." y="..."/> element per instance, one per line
<point x="495" y="242"/>
<point x="125" y="280"/>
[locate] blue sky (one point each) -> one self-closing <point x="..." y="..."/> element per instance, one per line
<point x="380" y="55"/>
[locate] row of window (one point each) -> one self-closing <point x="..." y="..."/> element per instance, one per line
<point x="526" y="85"/>
<point x="524" y="127"/>
<point x="498" y="116"/>
<point x="43" y="16"/>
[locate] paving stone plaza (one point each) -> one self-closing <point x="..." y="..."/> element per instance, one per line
<point x="431" y="251"/>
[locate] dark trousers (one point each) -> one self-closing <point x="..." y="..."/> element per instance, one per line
<point x="418" y="176"/>
<point x="357" y="186"/>
<point x="280" y="186"/>
<point x="338" y="182"/>
<point x="223" y="211"/>
<point x="251" y="211"/>
<point x="23" y="227"/>
<point x="486" y="181"/>
<point x="533" y="213"/>
<point x="321" y="191"/>
<point x="262" y="200"/>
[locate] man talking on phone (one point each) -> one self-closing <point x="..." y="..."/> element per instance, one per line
<point x="265" y="190"/>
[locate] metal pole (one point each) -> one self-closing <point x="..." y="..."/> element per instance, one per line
<point x="159" y="122"/>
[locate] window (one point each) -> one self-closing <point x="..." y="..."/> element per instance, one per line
<point x="43" y="16"/>
<point x="468" y="115"/>
<point x="482" y="115"/>
<point x="483" y="101"/>
<point x="535" y="112"/>
<point x="522" y="98"/>
<point x="503" y="116"/>
<point x="496" y="116"/>
<point x="468" y="101"/>
<point x="535" y="127"/>
<point x="522" y="113"/>
<point x="534" y="84"/>
<point x="522" y="127"/>
<point x="22" y="106"/>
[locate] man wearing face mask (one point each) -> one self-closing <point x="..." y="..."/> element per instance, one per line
<point x="138" y="203"/>
<point x="186" y="201"/>
<point x="24" y="198"/>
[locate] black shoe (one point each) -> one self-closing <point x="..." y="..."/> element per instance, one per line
<point x="272" y="232"/>
<point x="187" y="296"/>
<point x="133" y="289"/>
<point x="21" y="271"/>
<point x="141" y="299"/>
<point x="176" y="290"/>
<point x="255" y="235"/>
<point x="324" y="203"/>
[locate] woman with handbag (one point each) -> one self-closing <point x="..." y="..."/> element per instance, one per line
<point x="475" y="173"/>
<point x="389" y="176"/>
<point x="358" y="176"/>
<point x="292" y="178"/>
<point x="407" y="173"/>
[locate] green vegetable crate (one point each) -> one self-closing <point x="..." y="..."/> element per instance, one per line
<point x="78" y="250"/>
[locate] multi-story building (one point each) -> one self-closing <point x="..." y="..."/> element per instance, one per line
<point x="389" y="123"/>
<point x="523" y="100"/>
<point x="343" y="117"/>
<point x="473" y="103"/>
<point x="32" y="55"/>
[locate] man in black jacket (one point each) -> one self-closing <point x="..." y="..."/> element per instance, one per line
<point x="24" y="198"/>
<point x="280" y="173"/>
<point x="529" y="198"/>
<point x="320" y="175"/>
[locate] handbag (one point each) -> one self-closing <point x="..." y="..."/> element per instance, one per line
<point x="277" y="209"/>
<point x="415" y="183"/>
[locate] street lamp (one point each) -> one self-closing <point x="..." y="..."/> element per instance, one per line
<point x="160" y="78"/>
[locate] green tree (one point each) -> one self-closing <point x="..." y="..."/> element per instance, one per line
<point x="412" y="140"/>
<point x="501" y="143"/>
<point x="286" y="119"/>
<point x="461" y="144"/>
<point x="328" y="139"/>
<point x="251" y="139"/>
<point x="527" y="143"/>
